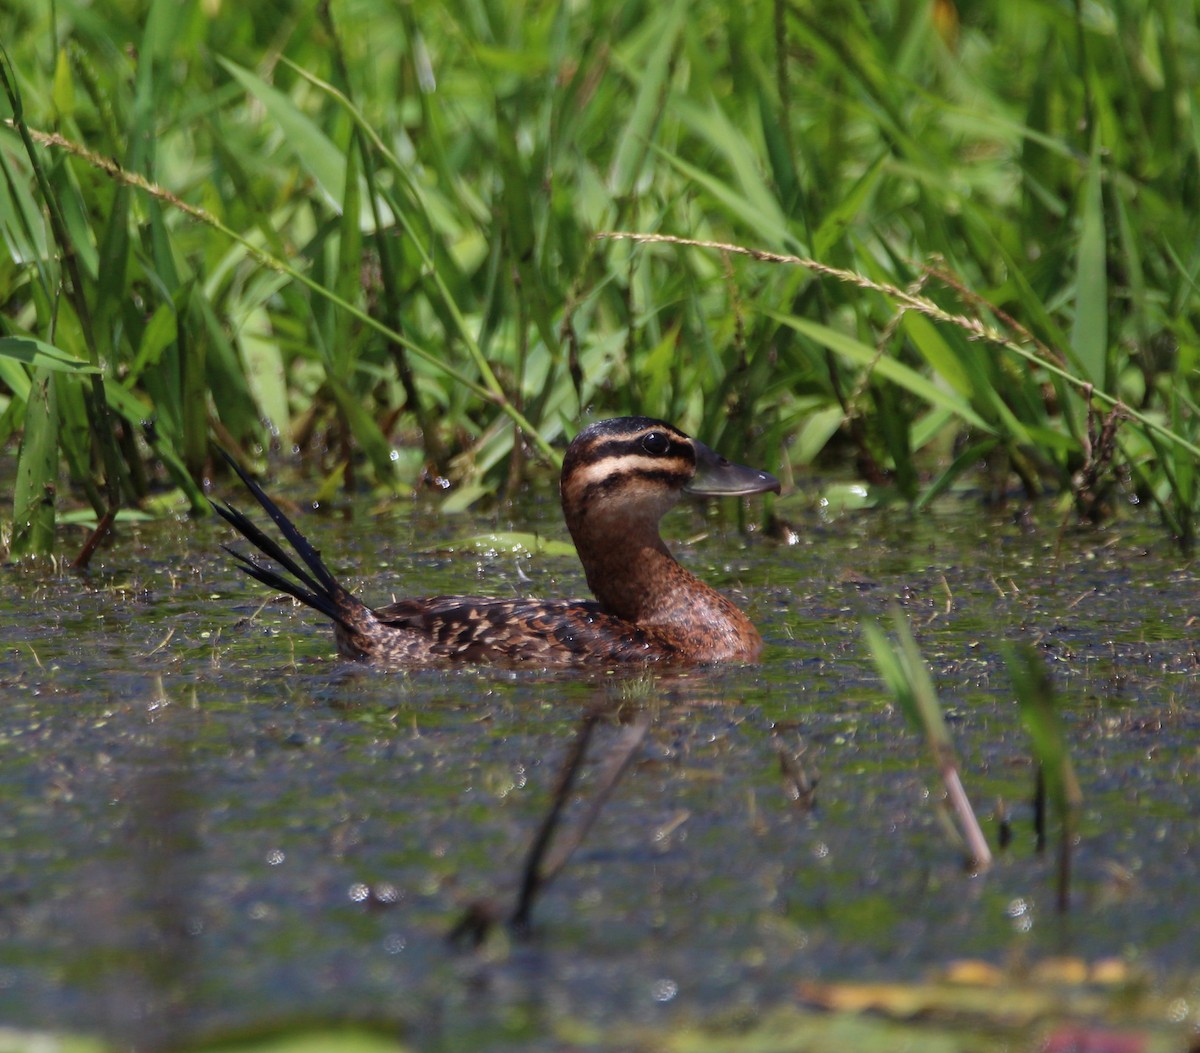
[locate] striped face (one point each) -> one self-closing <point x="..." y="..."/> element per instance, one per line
<point x="632" y="464"/>
<point x="627" y="461"/>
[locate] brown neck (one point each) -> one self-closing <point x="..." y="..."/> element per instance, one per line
<point x="634" y="577"/>
<point x="635" y="580"/>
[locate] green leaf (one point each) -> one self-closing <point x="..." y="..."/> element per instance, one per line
<point x="37" y="470"/>
<point x="314" y="150"/>
<point x="315" y="1039"/>
<point x="37" y="354"/>
<point x="637" y="135"/>
<point x="906" y="675"/>
<point x="366" y="432"/>
<point x="886" y="367"/>
<point x="1039" y="713"/>
<point x="818" y="428"/>
<point x="347" y="278"/>
<point x="265" y="372"/>
<point x="192" y="347"/>
<point x="834" y="225"/>
<point x="763" y="218"/>
<point x="509" y="543"/>
<point x="21" y="222"/>
<point x="938" y="353"/>
<point x="63" y="92"/>
<point x="158" y="334"/>
<point x="961" y="463"/>
<point x="138" y="414"/>
<point x="715" y="127"/>
<point x="1089" y="333"/>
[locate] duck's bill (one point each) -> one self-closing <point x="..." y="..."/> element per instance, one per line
<point x="718" y="477"/>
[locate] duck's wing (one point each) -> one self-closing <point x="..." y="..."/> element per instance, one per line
<point x="523" y="631"/>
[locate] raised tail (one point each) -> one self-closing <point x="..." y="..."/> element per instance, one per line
<point x="315" y="586"/>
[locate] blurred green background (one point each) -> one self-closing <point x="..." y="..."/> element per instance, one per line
<point x="366" y="232"/>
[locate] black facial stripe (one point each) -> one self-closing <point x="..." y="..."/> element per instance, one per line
<point x="616" y="480"/>
<point x="626" y="445"/>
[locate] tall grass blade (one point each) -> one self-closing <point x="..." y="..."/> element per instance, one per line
<point x="1039" y="713"/>
<point x="962" y="373"/>
<point x="35" y="493"/>
<point x="885" y="366"/>
<point x="37" y="354"/>
<point x="907" y="677"/>
<point x="842" y="215"/>
<point x="763" y="219"/>
<point x="1089" y="332"/>
<point x="313" y="149"/>
<point x="651" y="74"/>
<point x="192" y="348"/>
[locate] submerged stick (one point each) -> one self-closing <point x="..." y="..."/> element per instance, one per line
<point x="546" y="859"/>
<point x="798" y="784"/>
<point x="541" y="865"/>
<point x="1057" y="789"/>
<point x="531" y="873"/>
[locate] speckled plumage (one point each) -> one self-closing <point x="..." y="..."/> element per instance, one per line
<point x="619" y="477"/>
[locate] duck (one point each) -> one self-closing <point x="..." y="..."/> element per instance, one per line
<point x="619" y="477"/>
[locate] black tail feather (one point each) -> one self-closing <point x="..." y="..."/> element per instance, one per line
<point x="318" y="589"/>
<point x="286" y="527"/>
<point x="265" y="544"/>
<point x="273" y="578"/>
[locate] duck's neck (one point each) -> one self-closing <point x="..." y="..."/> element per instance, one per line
<point x="640" y="581"/>
<point x="634" y="576"/>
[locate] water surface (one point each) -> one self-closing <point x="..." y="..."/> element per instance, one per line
<point x="212" y="822"/>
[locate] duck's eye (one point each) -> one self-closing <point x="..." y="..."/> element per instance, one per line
<point x="655" y="443"/>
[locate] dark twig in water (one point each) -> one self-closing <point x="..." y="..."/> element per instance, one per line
<point x="531" y="873"/>
<point x="1039" y="809"/>
<point x="1003" y="824"/>
<point x="545" y="859"/>
<point x="797" y="783"/>
<point x="1056" y="789"/>
<point x="540" y="867"/>
<point x="615" y="766"/>
<point x="103" y="529"/>
<point x="476" y="922"/>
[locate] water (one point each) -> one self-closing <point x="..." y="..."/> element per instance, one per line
<point x="211" y="823"/>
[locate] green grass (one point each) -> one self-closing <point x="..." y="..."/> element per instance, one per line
<point x="371" y="234"/>
<point x="908" y="681"/>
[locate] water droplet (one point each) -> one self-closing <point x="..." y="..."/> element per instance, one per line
<point x="664" y="990"/>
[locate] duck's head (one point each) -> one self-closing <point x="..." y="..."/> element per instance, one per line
<point x="628" y="471"/>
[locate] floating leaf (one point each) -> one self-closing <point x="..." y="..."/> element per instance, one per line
<point x="514" y="543"/>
